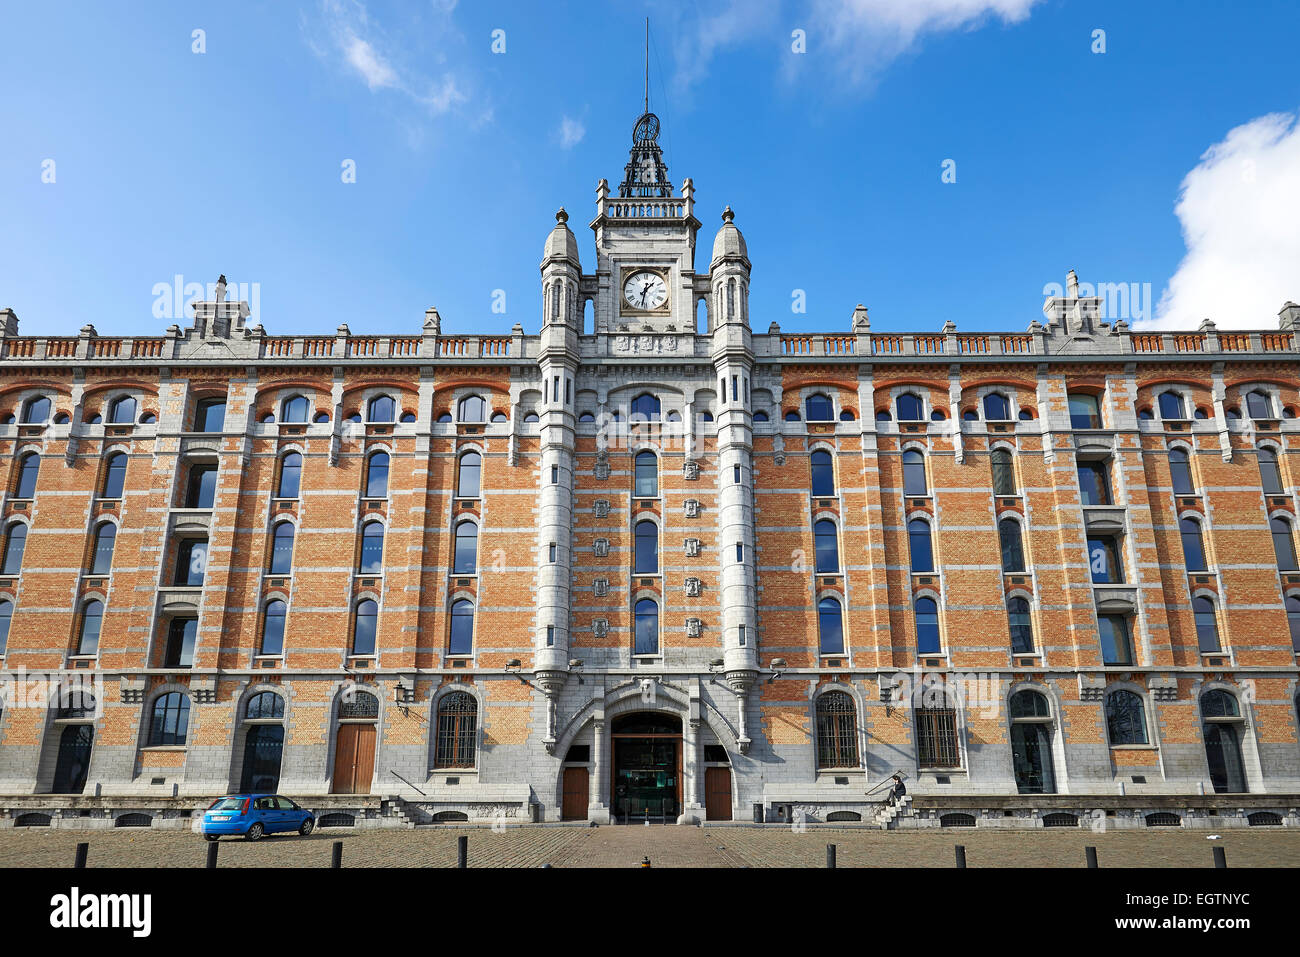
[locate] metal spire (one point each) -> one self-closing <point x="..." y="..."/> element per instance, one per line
<point x="647" y="65"/>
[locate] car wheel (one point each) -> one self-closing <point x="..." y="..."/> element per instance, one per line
<point x="211" y="837"/>
<point x="255" y="831"/>
<point x="307" y="827"/>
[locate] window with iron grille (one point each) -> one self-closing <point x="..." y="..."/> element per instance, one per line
<point x="936" y="738"/>
<point x="837" y="731"/>
<point x="457" y="731"/>
<point x="359" y="704"/>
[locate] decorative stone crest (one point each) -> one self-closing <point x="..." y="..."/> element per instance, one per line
<point x="694" y="627"/>
<point x="692" y="508"/>
<point x="602" y="507"/>
<point x="602" y="464"/>
<point x="600" y="547"/>
<point x="600" y="587"/>
<point x="694" y="587"/>
<point x="645" y="345"/>
<point x="692" y="547"/>
<point x="691" y="470"/>
<point x="600" y="627"/>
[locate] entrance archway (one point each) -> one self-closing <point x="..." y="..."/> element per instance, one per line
<point x="646" y="773"/>
<point x="73" y="763"/>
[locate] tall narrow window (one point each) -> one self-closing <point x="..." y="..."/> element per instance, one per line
<point x="1292" y="621"/>
<point x="1207" y="625"/>
<point x="29" y="468"/>
<point x="457" y="731"/>
<point x="936" y="738"/>
<point x="377" y="475"/>
<point x="282" y="549"/>
<point x="1022" y="627"/>
<point x="7" y="614"/>
<point x="365" y="625"/>
<point x="646" y="406"/>
<point x="1171" y="406"/>
<point x="927" y="627"/>
<point x="1104" y="561"/>
<point x="823" y="474"/>
<point x="92" y="622"/>
<point x="273" y="628"/>
<point x="1013" y="551"/>
<point x="290" y="475"/>
<point x="1085" y="412"/>
<point x="830" y="626"/>
<point x="1283" y="544"/>
<point x="1180" y="472"/>
<point x="1094" y="483"/>
<point x="1259" y="405"/>
<point x="101" y="560"/>
<point x="837" y="731"/>
<point x="461" y="641"/>
<point x="191" y="562"/>
<point x="1189" y="529"/>
<point x="114" y="475"/>
<point x="182" y="635"/>
<point x="818" y="408"/>
<point x="294" y="409"/>
<point x="36" y="411"/>
<point x="210" y="415"/>
<point x="1116" y="647"/>
<point x="1126" y="721"/>
<point x="201" y="490"/>
<point x="472" y="408"/>
<point x="910" y="408"/>
<point x="646" y="554"/>
<point x="1004" y="474"/>
<point x="465" y="560"/>
<point x="997" y="408"/>
<point x="918" y="542"/>
<point x="827" y="547"/>
<point x="15" y="542"/>
<point x="646" y="627"/>
<point x="382" y="409"/>
<point x="469" y="475"/>
<point x="646" y="484"/>
<point x="914" y="482"/>
<point x="372" y="549"/>
<point x="169" y="724"/>
<point x="1270" y="477"/>
<point x="122" y="411"/>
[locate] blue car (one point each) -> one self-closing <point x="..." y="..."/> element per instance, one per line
<point x="254" y="816"/>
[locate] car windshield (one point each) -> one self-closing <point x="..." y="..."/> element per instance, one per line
<point x="228" y="804"/>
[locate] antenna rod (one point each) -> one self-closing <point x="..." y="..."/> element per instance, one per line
<point x="647" y="64"/>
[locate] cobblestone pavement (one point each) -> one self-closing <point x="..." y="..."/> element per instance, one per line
<point x="665" y="846"/>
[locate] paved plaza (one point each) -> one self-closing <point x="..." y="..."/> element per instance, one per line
<point x="625" y="846"/>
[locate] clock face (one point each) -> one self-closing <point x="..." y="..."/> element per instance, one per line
<point x="645" y="290"/>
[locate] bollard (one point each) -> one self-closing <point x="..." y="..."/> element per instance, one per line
<point x="1220" y="857"/>
<point x="212" y="855"/>
<point x="82" y="850"/>
<point x="645" y="861"/>
<point x="336" y="856"/>
<point x="462" y="851"/>
<point x="1090" y="853"/>
<point x="961" y="855"/>
<point x="546" y="867"/>
<point x="830" y="855"/>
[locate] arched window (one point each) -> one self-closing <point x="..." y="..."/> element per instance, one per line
<point x="997" y="408"/>
<point x="1207" y="625"/>
<point x="1116" y="645"/>
<point x="29" y="467"/>
<point x="1029" y="704"/>
<point x="264" y="705"/>
<point x="1217" y="703"/>
<point x="846" y="415"/>
<point x="210" y="415"/>
<point x="6" y="618"/>
<point x="532" y="417"/>
<point x="1025" y="415"/>
<point x="472" y="408"/>
<point x="882" y="415"/>
<point x="446" y="417"/>
<point x="791" y="416"/>
<point x="1004" y="475"/>
<point x="36" y="411"/>
<point x="377" y="475"/>
<point x="830" y="626"/>
<point x="465" y="559"/>
<point x="470" y="471"/>
<point x="461" y="641"/>
<point x="818" y="408"/>
<point x="290" y="475"/>
<point x="122" y="411"/>
<point x="170" y="722"/>
<point x="1180" y="472"/>
<point x="282" y="549"/>
<point x="938" y="415"/>
<point x="1126" y="721"/>
<point x="1189" y="529"/>
<point x="707" y="416"/>
<point x="92" y="622"/>
<point x="914" y="482"/>
<point x="101" y="557"/>
<point x="823" y="474"/>
<point x="586" y="417"/>
<point x="365" y="625"/>
<point x="927" y="626"/>
<point x="372" y="549"/>
<point x="827" y="547"/>
<point x="919" y="547"/>
<point x="1293" y="620"/>
<point x="1270" y="477"/>
<point x="646" y="627"/>
<point x="936" y="737"/>
<point x="646" y="406"/>
<point x="114" y="475"/>
<point x="1259" y="405"/>
<point x="457" y="731"/>
<point x="295" y="409"/>
<point x="15" y="542"/>
<point x="382" y="408"/>
<point x="1283" y="544"/>
<point x="646" y="478"/>
<point x="837" y="731"/>
<point x="1085" y="411"/>
<point x="1013" y="552"/>
<point x="646" y="554"/>
<point x="760" y="417"/>
<point x="273" y="628"/>
<point x="910" y="407"/>
<point x="1022" y="627"/>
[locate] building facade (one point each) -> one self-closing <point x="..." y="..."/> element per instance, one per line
<point x="651" y="563"/>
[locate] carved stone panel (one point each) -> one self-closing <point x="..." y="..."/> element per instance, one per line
<point x="692" y="508"/>
<point x="600" y="587"/>
<point x="694" y="627"/>
<point x="692" y="547"/>
<point x="694" y="587"/>
<point x="601" y="547"/>
<point x="602" y="507"/>
<point x="600" y="627"/>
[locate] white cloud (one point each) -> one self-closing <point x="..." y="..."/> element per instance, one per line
<point x="1237" y="209"/>
<point x="361" y="56"/>
<point x="571" y="132"/>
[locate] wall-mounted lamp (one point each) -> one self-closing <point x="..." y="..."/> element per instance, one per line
<point x="512" y="668"/>
<point x="777" y="665"/>
<point x="575" y="664"/>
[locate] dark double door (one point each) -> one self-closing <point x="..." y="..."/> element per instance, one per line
<point x="647" y="771"/>
<point x="1223" y="752"/>
<point x="73" y="763"/>
<point x="263" y="749"/>
<point x="1031" y="757"/>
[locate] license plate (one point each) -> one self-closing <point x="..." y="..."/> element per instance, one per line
<point x="221" y="817"/>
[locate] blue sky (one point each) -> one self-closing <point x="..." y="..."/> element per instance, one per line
<point x="167" y="161"/>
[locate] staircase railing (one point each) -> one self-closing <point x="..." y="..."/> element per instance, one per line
<point x="406" y="782"/>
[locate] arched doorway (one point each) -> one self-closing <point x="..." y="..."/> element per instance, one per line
<point x="354" y="751"/>
<point x="263" y="743"/>
<point x="1031" y="743"/>
<point x="1222" y="728"/>
<point x="75" y="744"/>
<point x="647" y="766"/>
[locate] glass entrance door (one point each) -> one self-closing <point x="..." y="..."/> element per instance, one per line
<point x="645" y="778"/>
<point x="1031" y="756"/>
<point x="1223" y="751"/>
<point x="262" y="750"/>
<point x="73" y="762"/>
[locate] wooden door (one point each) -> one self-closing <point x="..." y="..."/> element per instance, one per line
<point x="576" y="794"/>
<point x="717" y="794"/>
<point x="354" y="759"/>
